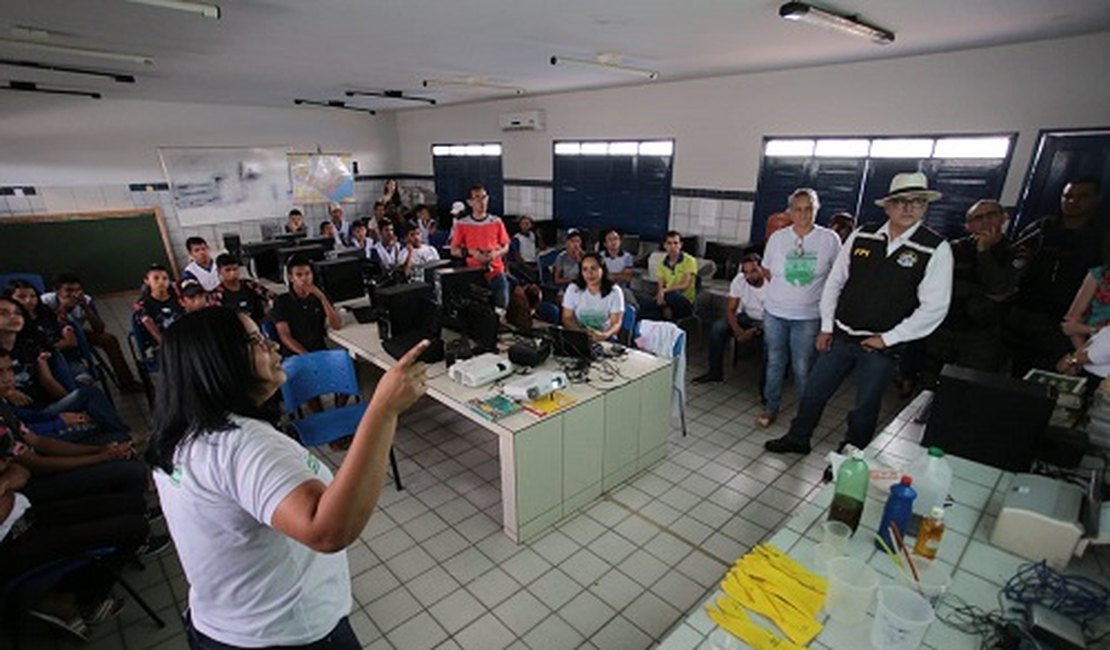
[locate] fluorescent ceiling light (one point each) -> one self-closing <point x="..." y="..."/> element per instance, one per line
<point x="390" y="94"/>
<point x="35" y="65"/>
<point x="199" y="8"/>
<point x="609" y="61"/>
<point x="31" y="87"/>
<point x="789" y="148"/>
<point x="470" y="82"/>
<point x="807" y="13"/>
<point x="902" y="148"/>
<point x="832" y="148"/>
<point x="332" y="103"/>
<point x="972" y="148"/>
<point x="78" y="51"/>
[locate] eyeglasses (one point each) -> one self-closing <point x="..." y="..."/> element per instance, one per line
<point x="903" y="202"/>
<point x="480" y="197"/>
<point x="259" y="339"/>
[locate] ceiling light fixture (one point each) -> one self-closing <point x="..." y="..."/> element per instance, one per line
<point x="199" y="8"/>
<point x="471" y="82"/>
<point x="332" y="103"/>
<point x="806" y="13"/>
<point x="609" y="61"/>
<point x="390" y="94"/>
<point x="78" y="51"/>
<point x="31" y="87"/>
<point x="35" y="65"/>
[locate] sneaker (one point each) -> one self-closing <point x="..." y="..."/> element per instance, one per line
<point x="108" y="609"/>
<point x="75" y="626"/>
<point x="707" y="378"/>
<point x="155" y="545"/>
<point x="785" y="445"/>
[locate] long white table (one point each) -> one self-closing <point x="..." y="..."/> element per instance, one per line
<point x="555" y="465"/>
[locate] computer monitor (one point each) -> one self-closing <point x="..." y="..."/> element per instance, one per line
<point x="482" y="326"/>
<point x="406" y="308"/>
<point x="312" y="253"/>
<point x="233" y="243"/>
<point x="264" y="259"/>
<point x="289" y="237"/>
<point x="340" y="279"/>
<point x="456" y="287"/>
<point x="327" y="243"/>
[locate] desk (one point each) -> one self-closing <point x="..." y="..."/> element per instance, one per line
<point x="556" y="465"/>
<point x="978" y="569"/>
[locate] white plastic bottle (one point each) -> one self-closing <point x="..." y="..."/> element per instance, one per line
<point x="932" y="478"/>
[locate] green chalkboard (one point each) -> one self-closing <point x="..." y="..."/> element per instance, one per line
<point x="110" y="251"/>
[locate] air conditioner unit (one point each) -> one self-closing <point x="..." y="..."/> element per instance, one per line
<point x="523" y="121"/>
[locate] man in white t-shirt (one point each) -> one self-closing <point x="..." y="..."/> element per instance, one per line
<point x="743" y="319"/>
<point x="416" y="255"/>
<point x="798" y="259"/>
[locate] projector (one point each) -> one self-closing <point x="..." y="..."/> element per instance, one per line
<point x="536" y="385"/>
<point x="480" y="370"/>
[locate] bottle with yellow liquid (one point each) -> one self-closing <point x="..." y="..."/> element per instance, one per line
<point x="928" y="537"/>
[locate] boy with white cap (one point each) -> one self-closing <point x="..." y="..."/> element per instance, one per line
<point x="891" y="284"/>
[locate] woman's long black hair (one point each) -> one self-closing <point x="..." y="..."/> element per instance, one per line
<point x="606" y="283"/>
<point x="206" y="374"/>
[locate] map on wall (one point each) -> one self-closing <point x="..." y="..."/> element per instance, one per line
<point x="322" y="177"/>
<point x="226" y="184"/>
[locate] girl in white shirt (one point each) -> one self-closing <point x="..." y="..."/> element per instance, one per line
<point x="592" y="302"/>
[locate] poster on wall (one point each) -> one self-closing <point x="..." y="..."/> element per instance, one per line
<point x="226" y="184"/>
<point x="322" y="178"/>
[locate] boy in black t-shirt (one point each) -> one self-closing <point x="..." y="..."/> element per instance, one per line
<point x="242" y="294"/>
<point x="158" y="307"/>
<point x="304" y="314"/>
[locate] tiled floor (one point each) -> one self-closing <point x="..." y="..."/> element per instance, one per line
<point x="434" y="570"/>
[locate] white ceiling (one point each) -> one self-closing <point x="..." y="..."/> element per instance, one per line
<point x="267" y="52"/>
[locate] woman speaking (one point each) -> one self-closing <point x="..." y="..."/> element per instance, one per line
<point x="259" y="523"/>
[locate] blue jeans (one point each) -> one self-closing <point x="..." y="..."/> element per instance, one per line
<point x="499" y="285"/>
<point x="785" y="341"/>
<point x="342" y="637"/>
<point x="91" y="400"/>
<point x="719" y="336"/>
<point x="874" y="372"/>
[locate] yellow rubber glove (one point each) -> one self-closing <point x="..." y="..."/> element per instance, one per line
<point x="736" y="622"/>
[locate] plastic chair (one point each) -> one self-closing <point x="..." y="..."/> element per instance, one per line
<point x="41" y="578"/>
<point x="144" y="352"/>
<point x="311" y="375"/>
<point x="34" y="278"/>
<point x="628" y="326"/>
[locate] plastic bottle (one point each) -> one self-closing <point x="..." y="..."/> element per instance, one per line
<point x="932" y="530"/>
<point x="851" y="491"/>
<point x="932" y="478"/>
<point x="898" y="510"/>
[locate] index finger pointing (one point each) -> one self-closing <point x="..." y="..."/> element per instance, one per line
<point x="414" y="352"/>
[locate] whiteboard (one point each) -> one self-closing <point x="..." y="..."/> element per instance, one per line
<point x="322" y="178"/>
<point x="227" y="184"/>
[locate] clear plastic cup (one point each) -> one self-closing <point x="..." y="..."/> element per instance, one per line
<point x="851" y="588"/>
<point x="901" y="619"/>
<point x="934" y="579"/>
<point x="837" y="534"/>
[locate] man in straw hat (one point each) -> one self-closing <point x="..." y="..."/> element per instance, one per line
<point x="890" y="284"/>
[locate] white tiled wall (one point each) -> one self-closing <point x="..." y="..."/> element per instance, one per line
<point x="721" y="220"/>
<point x="535" y="202"/>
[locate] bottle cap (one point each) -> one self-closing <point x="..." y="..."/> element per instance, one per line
<point x="906" y="480"/>
<point x="936" y="452"/>
<point x="937" y="513"/>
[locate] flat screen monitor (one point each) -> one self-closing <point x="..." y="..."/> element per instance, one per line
<point x="405" y="307"/>
<point x="340" y="279"/>
<point x="264" y="259"/>
<point x="456" y="289"/>
<point x="327" y="243"/>
<point x="312" y="253"/>
<point x="289" y="236"/>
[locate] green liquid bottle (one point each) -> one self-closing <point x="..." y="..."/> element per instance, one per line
<point x="851" y="491"/>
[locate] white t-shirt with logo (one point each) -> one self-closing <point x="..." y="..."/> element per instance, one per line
<point x="593" y="311"/>
<point x="421" y="257"/>
<point x="799" y="267"/>
<point x="250" y="585"/>
<point x="751" y="297"/>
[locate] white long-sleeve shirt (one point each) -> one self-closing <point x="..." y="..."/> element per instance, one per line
<point x="934" y="292"/>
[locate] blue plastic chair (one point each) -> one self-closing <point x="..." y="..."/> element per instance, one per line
<point x="628" y="326"/>
<point x="324" y="372"/>
<point x="34" y="278"/>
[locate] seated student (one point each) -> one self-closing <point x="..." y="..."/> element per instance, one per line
<point x="592" y="302"/>
<point x="522" y="251"/>
<point x="192" y="296"/>
<point x="619" y="263"/>
<point x="743" y="319"/>
<point x="34" y="388"/>
<point x="38" y="534"/>
<point x="304" y="314"/>
<point x="242" y="294"/>
<point x="360" y="239"/>
<point x="676" y="289"/>
<point x="426" y="222"/>
<point x="70" y="302"/>
<point x="157" y="307"/>
<point x="54" y="332"/>
<point x="386" y="252"/>
<point x="295" y="223"/>
<point x="416" y="255"/>
<point x="342" y="227"/>
<point x="327" y="229"/>
<point x="202" y="267"/>
<point x="567" y="262"/>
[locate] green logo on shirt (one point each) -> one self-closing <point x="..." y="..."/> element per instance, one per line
<point x="312" y="462"/>
<point x="800" y="267"/>
<point x="175" y="478"/>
